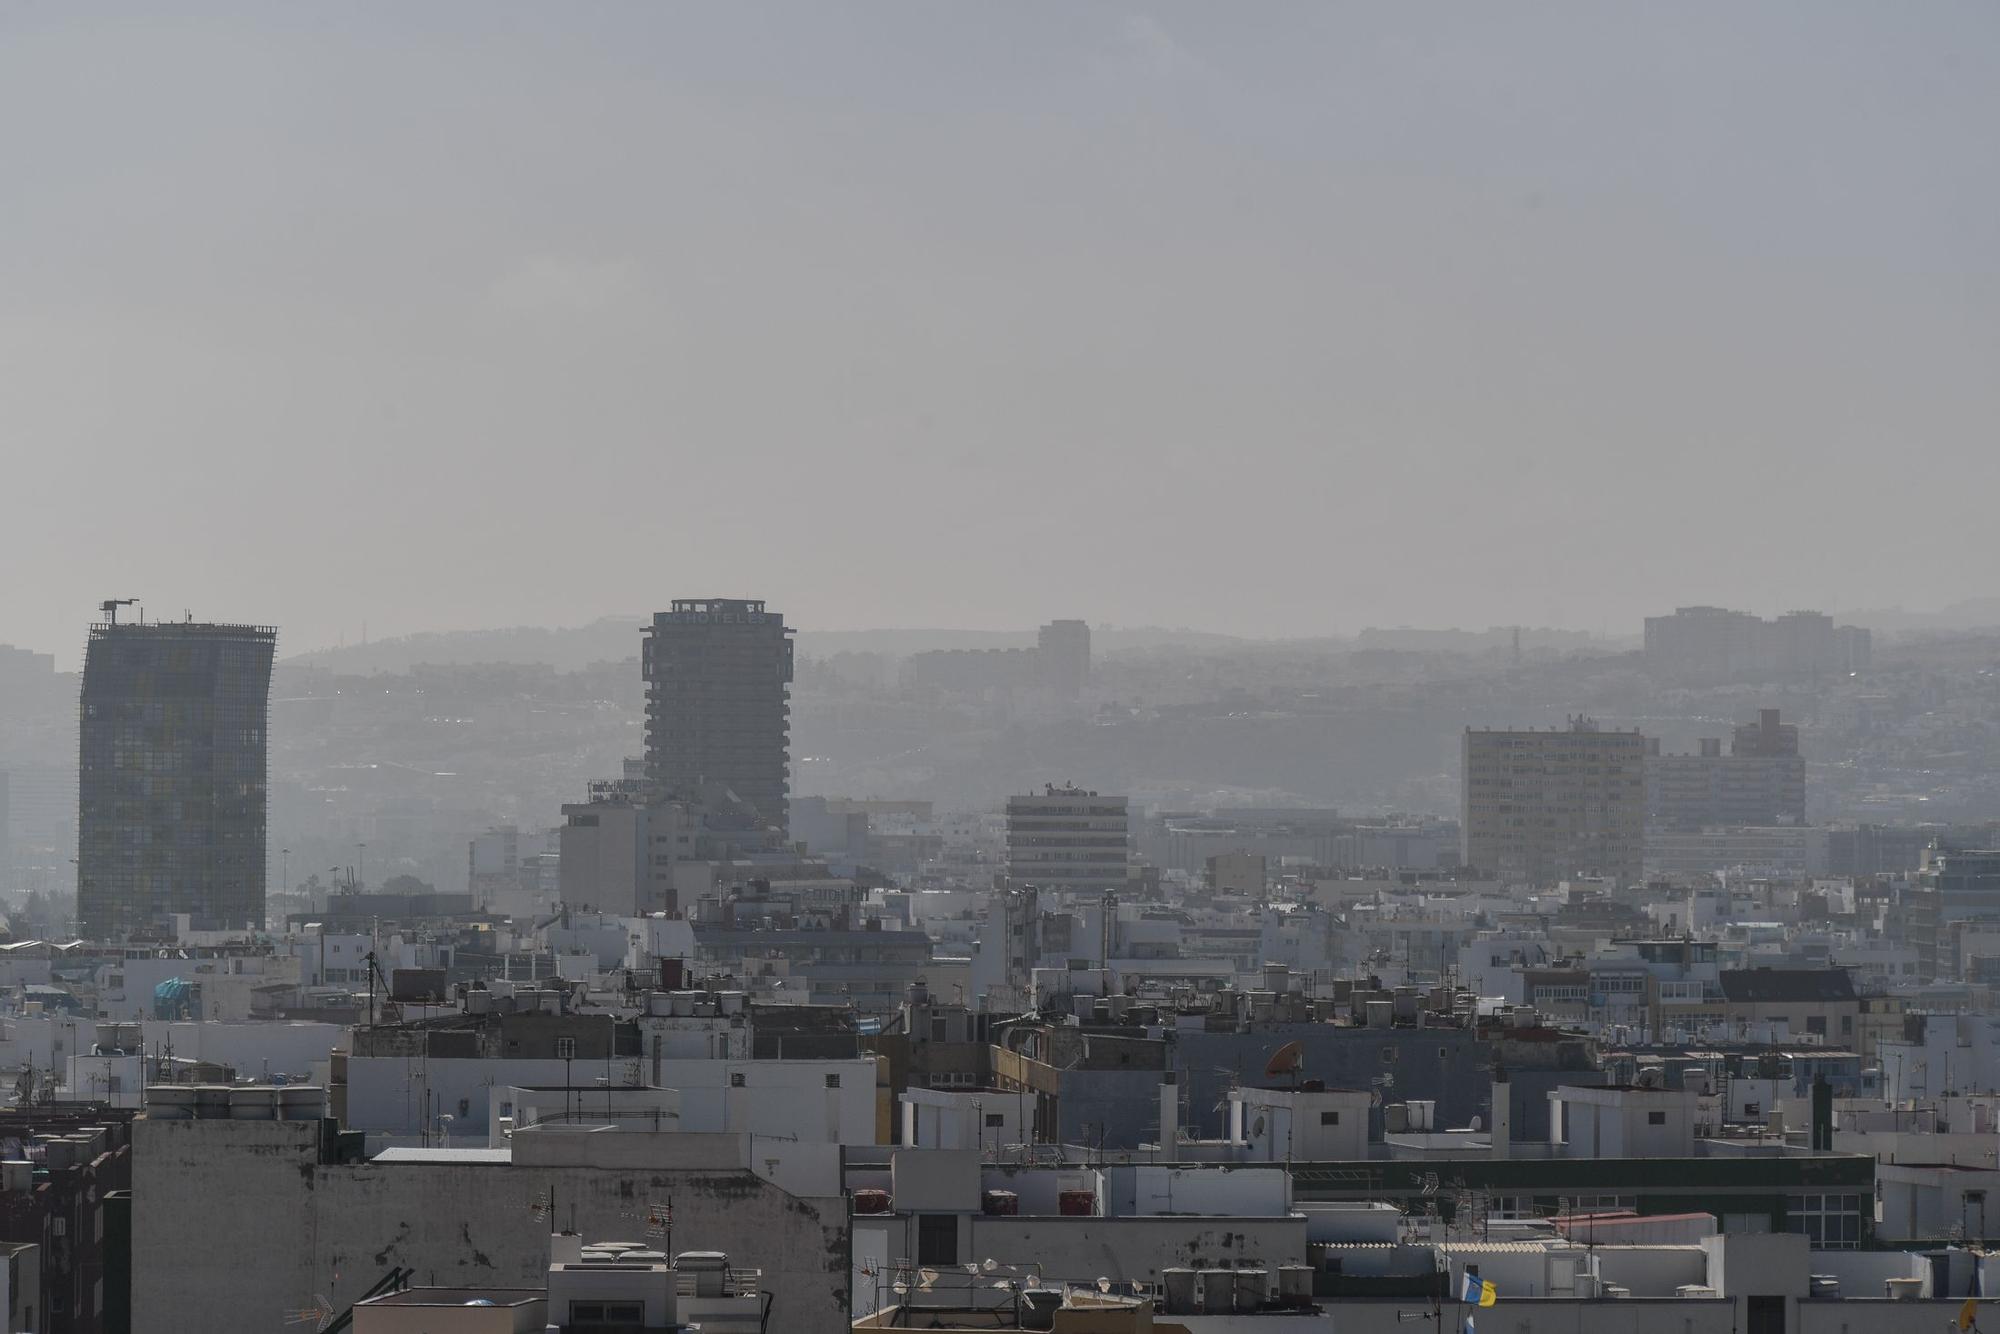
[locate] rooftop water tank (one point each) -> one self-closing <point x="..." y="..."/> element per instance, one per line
<point x="253" y="1104"/>
<point x="169" y="1102"/>
<point x="710" y="1270"/>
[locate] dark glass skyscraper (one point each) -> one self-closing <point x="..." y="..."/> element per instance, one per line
<point x="171" y="782"/>
<point x="718" y="712"/>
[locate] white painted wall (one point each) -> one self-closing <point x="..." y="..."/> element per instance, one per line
<point x="1244" y="1191"/>
<point x="397" y="1095"/>
<point x="787" y="1099"/>
<point x="118" y="1080"/>
<point x="250" y="1047"/>
<point x="936" y="1119"/>
<point x="45" y="1040"/>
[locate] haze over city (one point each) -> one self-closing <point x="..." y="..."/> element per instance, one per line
<point x="1274" y="323"/>
<point x="816" y="667"/>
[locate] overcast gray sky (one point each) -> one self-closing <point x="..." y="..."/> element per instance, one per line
<point x="1262" y="318"/>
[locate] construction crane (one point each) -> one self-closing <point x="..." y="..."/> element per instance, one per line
<point x="110" y="608"/>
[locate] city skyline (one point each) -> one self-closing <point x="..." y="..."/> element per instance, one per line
<point x="1293" y="668"/>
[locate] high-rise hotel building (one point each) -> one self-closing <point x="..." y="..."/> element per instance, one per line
<point x="171" y="777"/>
<point x="718" y="706"/>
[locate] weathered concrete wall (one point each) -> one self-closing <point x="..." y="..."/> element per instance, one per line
<point x="221" y="1228"/>
<point x="235" y="1223"/>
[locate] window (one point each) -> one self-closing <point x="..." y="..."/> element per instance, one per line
<point x="1656" y="1118"/>
<point x="937" y="1239"/>
<point x="1601" y="1203"/>
<point x="737" y="1079"/>
<point x="1831" y="1222"/>
<point x="607" y="1316"/>
<point x="1329" y="1118"/>
<point x="996" y="1120"/>
<point x="833" y="1081"/>
<point x="1388" y="1055"/>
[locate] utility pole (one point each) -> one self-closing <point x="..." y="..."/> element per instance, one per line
<point x="566" y="1052"/>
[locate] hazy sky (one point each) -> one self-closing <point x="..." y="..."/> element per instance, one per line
<point x="1262" y="318"/>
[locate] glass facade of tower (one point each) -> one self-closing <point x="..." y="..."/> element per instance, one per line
<point x="172" y="774"/>
<point x="718" y="711"/>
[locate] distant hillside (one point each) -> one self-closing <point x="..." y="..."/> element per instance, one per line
<point x="1971" y="614"/>
<point x="616" y="638"/>
<point x="612" y="639"/>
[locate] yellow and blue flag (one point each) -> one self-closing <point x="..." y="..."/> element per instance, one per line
<point x="1478" y="1292"/>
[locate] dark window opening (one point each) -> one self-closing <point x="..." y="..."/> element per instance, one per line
<point x="937" y="1239"/>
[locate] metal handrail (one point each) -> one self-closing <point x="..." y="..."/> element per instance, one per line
<point x="735" y="1282"/>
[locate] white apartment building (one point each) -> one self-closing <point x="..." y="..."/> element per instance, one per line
<point x="1541" y="806"/>
<point x="1068" y="841"/>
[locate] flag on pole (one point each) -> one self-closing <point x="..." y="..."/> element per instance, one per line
<point x="1468" y="1326"/>
<point x="1968" y="1314"/>
<point x="1478" y="1292"/>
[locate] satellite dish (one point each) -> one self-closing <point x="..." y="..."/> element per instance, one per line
<point x="1257" y="1126"/>
<point x="1475" y="1123"/>
<point x="1103" y="1284"/>
<point x="990" y="1264"/>
<point x="1286" y="1060"/>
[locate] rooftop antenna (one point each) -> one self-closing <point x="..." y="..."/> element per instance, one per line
<point x="110" y="608"/>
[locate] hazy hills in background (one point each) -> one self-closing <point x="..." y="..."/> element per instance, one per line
<point x="616" y="638"/>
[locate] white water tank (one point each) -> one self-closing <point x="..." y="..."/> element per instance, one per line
<point x="253" y="1104"/>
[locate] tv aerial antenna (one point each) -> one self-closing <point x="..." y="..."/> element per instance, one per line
<point x="319" y="1315"/>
